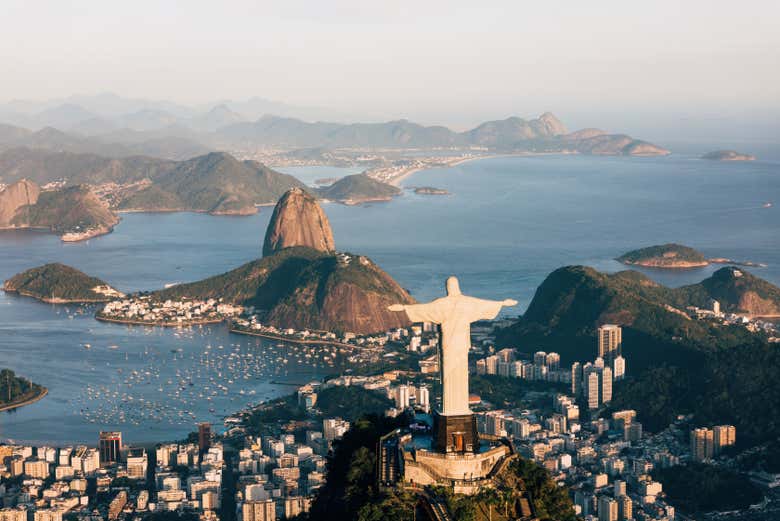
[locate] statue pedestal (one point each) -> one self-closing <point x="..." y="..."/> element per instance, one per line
<point x="455" y="434"/>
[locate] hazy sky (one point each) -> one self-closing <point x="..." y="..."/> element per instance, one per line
<point x="448" y="60"/>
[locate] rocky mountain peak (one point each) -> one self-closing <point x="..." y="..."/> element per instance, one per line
<point x="298" y="220"/>
<point x="17" y="195"/>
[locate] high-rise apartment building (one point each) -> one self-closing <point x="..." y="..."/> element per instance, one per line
<point x="702" y="444"/>
<point x="258" y="510"/>
<point x="402" y="397"/>
<point x="110" y="447"/>
<point x="619" y="368"/>
<point x="576" y="378"/>
<point x="591" y="382"/>
<point x="723" y="436"/>
<point x="204" y="436"/>
<point x="423" y="398"/>
<point x="597" y="385"/>
<point x="553" y="361"/>
<point x="610" y="342"/>
<point x="606" y="385"/>
<point x="137" y="463"/>
<point x="625" y="508"/>
<point x="608" y="509"/>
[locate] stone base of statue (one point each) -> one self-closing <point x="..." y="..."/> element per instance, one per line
<point x="463" y="473"/>
<point x="455" y="433"/>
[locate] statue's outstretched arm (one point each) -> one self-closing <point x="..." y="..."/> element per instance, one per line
<point x="429" y="312"/>
<point x="488" y="309"/>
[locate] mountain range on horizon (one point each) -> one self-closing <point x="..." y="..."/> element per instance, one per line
<point x="117" y="127"/>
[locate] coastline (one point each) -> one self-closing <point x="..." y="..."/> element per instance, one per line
<point x="677" y="266"/>
<point x="290" y="340"/>
<point x="188" y="323"/>
<point x="41" y="394"/>
<point x="396" y="180"/>
<point x="54" y="300"/>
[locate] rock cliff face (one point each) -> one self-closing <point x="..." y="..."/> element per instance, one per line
<point x="15" y="198"/>
<point x="342" y="293"/>
<point x="298" y="220"/>
<point x="74" y="213"/>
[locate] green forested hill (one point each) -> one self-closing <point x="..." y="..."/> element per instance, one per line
<point x="304" y="288"/>
<point x="356" y="188"/>
<point x="15" y="389"/>
<point x="665" y="256"/>
<point x="57" y="283"/>
<point x="675" y="364"/>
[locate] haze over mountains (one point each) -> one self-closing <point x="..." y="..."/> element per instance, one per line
<point x="117" y="127"/>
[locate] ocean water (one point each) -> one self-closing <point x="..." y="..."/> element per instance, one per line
<point x="507" y="223"/>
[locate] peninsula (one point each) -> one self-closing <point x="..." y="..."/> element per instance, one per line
<point x="75" y="213"/>
<point x="16" y="391"/>
<point x="300" y="283"/>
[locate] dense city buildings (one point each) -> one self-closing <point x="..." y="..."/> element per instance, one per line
<point x="708" y="443"/>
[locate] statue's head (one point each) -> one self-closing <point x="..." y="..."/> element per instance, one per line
<point x="453" y="287"/>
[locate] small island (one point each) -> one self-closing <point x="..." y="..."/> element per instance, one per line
<point x="358" y="189"/>
<point x="16" y="391"/>
<point x="430" y="190"/>
<point x="727" y="155"/>
<point x="677" y="256"/>
<point x="665" y="256"/>
<point x="60" y="284"/>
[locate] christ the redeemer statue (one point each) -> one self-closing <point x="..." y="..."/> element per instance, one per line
<point x="454" y="313"/>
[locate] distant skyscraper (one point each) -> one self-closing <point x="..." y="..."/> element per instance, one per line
<point x="591" y="381"/>
<point x="619" y="367"/>
<point x="619" y="488"/>
<point x="540" y="357"/>
<point x="259" y="510"/>
<point x="597" y="384"/>
<point x="606" y="385"/>
<point x="402" y="397"/>
<point x="422" y="397"/>
<point x="553" y="361"/>
<point x="204" y="436"/>
<point x="576" y="378"/>
<point x="702" y="444"/>
<point x="110" y="447"/>
<point x="610" y="342"/>
<point x="608" y="509"/>
<point x="625" y="508"/>
<point x="723" y="436"/>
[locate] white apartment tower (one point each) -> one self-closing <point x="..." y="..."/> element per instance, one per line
<point x="610" y="342"/>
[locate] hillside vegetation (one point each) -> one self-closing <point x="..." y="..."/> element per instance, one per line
<point x="304" y="288"/>
<point x="665" y="256"/>
<point x="358" y="188"/>
<point x="57" y="282"/>
<point x="676" y="365"/>
<point x="15" y="389"/>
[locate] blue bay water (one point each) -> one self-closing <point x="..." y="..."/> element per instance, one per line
<point x="507" y="224"/>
